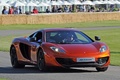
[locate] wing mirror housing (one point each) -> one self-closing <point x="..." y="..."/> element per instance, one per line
<point x="97" y="38"/>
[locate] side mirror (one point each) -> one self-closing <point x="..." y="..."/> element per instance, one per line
<point x="97" y="38"/>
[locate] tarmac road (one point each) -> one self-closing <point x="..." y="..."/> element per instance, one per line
<point x="13" y="32"/>
<point x="32" y="73"/>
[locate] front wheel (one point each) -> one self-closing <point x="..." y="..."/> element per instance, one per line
<point x="101" y="69"/>
<point x="14" y="59"/>
<point x="41" y="61"/>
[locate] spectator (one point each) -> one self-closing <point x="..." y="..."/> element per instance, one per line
<point x="16" y="10"/>
<point x="70" y="9"/>
<point x="92" y="8"/>
<point x="54" y="9"/>
<point x="11" y="10"/>
<point x="35" y="11"/>
<point x="47" y="10"/>
<point x="20" y="10"/>
<point x="4" y="11"/>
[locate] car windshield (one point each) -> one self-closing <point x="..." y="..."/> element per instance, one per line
<point x="67" y="37"/>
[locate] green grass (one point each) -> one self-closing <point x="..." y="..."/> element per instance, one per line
<point x="115" y="58"/>
<point x="109" y="36"/>
<point x="112" y="38"/>
<point x="3" y="79"/>
<point x="6" y="41"/>
<point x="67" y="25"/>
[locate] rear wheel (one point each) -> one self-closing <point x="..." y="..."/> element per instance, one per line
<point x="101" y="69"/>
<point x="41" y="61"/>
<point x="14" y="60"/>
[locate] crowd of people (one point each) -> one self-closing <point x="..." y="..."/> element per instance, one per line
<point x="16" y="10"/>
<point x="56" y="9"/>
<point x="11" y="10"/>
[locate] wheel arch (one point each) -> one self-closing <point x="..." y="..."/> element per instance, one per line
<point x="39" y="50"/>
<point x="11" y="47"/>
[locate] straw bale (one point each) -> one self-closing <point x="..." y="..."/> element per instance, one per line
<point x="0" y="19"/>
<point x="59" y="18"/>
<point x="13" y="19"/>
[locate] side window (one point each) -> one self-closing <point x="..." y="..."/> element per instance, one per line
<point x="38" y="36"/>
<point x="81" y="37"/>
<point x="35" y="37"/>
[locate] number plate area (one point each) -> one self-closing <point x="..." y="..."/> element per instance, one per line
<point x="85" y="59"/>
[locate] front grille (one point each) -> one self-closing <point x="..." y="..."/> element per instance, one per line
<point x="64" y="61"/>
<point x="69" y="62"/>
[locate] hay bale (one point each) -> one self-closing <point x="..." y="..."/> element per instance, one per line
<point x="59" y="18"/>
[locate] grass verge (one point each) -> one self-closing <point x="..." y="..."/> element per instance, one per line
<point x="3" y="79"/>
<point x="67" y="25"/>
<point x="112" y="39"/>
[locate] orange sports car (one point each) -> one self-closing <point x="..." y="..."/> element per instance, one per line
<point x="59" y="47"/>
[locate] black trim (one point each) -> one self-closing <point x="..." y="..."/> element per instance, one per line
<point x="69" y="62"/>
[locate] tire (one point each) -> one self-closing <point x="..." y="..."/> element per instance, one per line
<point x="41" y="61"/>
<point x="14" y="60"/>
<point x="101" y="69"/>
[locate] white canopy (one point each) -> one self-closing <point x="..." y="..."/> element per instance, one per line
<point x="31" y="4"/>
<point x="17" y="3"/>
<point x="53" y="3"/>
<point x="66" y="3"/>
<point x="10" y="2"/>
<point x="60" y="2"/>
<point x="107" y="2"/>
<point x="37" y="2"/>
<point x="43" y="4"/>
<point x="116" y="2"/>
<point x="88" y="3"/>
<point x="97" y="2"/>
<point x="76" y="2"/>
<point x="2" y="3"/>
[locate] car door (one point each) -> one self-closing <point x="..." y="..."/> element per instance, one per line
<point x="35" y="42"/>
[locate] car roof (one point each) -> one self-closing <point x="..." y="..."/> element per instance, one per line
<point x="59" y="29"/>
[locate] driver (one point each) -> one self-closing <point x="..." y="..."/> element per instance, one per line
<point x="69" y="38"/>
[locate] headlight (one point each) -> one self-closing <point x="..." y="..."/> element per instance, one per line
<point x="57" y="49"/>
<point x="103" y="49"/>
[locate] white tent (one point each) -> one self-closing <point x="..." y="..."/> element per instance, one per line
<point x="31" y="4"/>
<point x="88" y="3"/>
<point x="53" y="3"/>
<point x="10" y="2"/>
<point x="4" y="4"/>
<point x="116" y="2"/>
<point x="107" y="2"/>
<point x="97" y="2"/>
<point x="66" y="3"/>
<point x="60" y="2"/>
<point x="43" y="4"/>
<point x="76" y="2"/>
<point x="37" y="2"/>
<point x="17" y="3"/>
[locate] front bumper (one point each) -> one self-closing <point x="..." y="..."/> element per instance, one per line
<point x="68" y="62"/>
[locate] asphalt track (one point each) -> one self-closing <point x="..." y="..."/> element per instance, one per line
<point x="32" y="73"/>
<point x="17" y="32"/>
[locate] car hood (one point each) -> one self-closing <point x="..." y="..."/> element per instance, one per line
<point x="81" y="48"/>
